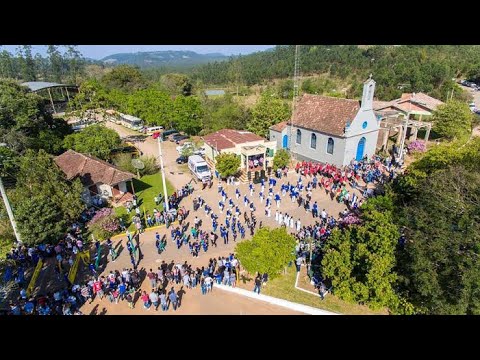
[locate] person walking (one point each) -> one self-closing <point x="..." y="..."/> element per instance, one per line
<point x="258" y="283"/>
<point x="172" y="296"/>
<point x="146" y="300"/>
<point x="153" y="297"/>
<point x="163" y="300"/>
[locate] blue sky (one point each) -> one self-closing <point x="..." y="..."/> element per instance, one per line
<point x="100" y="51"/>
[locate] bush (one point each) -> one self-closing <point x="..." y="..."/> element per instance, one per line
<point x="417" y="146"/>
<point x="151" y="166"/>
<point x="124" y="162"/>
<point x="281" y="159"/>
<point x="106" y="227"/>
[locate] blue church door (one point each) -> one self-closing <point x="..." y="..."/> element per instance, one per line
<point x="360" y="149"/>
<point x="285" y="141"/>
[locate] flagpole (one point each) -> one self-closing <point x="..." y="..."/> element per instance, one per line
<point x="160" y="154"/>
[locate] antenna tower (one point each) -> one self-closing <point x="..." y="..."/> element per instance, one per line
<point x="296" y="75"/>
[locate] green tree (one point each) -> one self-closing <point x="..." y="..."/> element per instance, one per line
<point x="188" y="114"/>
<point x="269" y="110"/>
<point x="227" y="164"/>
<point x="453" y="120"/>
<point x="177" y="84"/>
<point x="27" y="63"/>
<point x="269" y="251"/>
<point x="44" y="202"/>
<point x="56" y="63"/>
<point x="224" y="113"/>
<point x="359" y="261"/>
<point x="24" y="121"/>
<point x="125" y="78"/>
<point x="438" y="267"/>
<point x="281" y="159"/>
<point x="95" y="140"/>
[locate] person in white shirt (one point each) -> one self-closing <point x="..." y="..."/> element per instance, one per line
<point x="299" y="225"/>
<point x="280" y="218"/>
<point x="291" y="222"/>
<point x="276" y="215"/>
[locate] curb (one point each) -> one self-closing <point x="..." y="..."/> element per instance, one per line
<point x="275" y="301"/>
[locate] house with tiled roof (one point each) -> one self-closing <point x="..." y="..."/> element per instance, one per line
<point x="255" y="152"/>
<point x="330" y="130"/>
<point x="409" y="104"/>
<point x="99" y="178"/>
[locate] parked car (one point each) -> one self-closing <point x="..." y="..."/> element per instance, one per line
<point x="177" y="139"/>
<point x="175" y="136"/>
<point x="168" y="133"/>
<point x="200" y="151"/>
<point x="183" y="146"/>
<point x="182" y="159"/>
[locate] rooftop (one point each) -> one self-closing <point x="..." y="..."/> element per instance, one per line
<point x="40" y="85"/>
<point x="279" y="127"/>
<point x="90" y="169"/>
<point x="325" y="114"/>
<point x="229" y="138"/>
<point x="409" y="102"/>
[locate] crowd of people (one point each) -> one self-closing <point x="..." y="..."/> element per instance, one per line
<point x="230" y="219"/>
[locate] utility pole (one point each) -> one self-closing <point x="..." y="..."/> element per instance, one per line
<point x="404" y="135"/>
<point x="9" y="210"/>
<point x="163" y="173"/>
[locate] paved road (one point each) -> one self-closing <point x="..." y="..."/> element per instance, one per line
<point x="475" y="94"/>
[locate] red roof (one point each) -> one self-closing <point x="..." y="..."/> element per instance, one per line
<point x="91" y="170"/>
<point x="279" y="127"/>
<point x="410" y="102"/>
<point x="228" y="138"/>
<point x="324" y="113"/>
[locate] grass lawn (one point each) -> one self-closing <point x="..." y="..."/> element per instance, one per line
<point x="283" y="287"/>
<point x="146" y="189"/>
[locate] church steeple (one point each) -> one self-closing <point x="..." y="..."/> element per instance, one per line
<point x="368" y="91"/>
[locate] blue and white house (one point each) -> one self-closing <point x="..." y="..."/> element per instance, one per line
<point x="330" y="130"/>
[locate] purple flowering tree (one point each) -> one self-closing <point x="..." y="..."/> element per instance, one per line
<point x="99" y="215"/>
<point x="417" y="146"/>
<point x="351" y="219"/>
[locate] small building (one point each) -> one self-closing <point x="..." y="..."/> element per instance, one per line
<point x="416" y="104"/>
<point x="99" y="178"/>
<point x="256" y="153"/>
<point x="329" y="129"/>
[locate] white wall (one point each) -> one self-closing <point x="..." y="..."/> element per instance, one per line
<point x="319" y="154"/>
<point x="107" y="188"/>
<point x="352" y="144"/>
<point x="122" y="186"/>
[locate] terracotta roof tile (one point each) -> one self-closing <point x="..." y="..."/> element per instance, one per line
<point x="228" y="138"/>
<point x="279" y="127"/>
<point x="325" y="114"/>
<point x="91" y="170"/>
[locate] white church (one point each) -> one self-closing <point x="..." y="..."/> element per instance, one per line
<point x="330" y="130"/>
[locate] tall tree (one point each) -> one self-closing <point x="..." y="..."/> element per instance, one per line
<point x="438" y="265"/>
<point x="125" y="78"/>
<point x="24" y="121"/>
<point x="44" y="202"/>
<point x="95" y="140"/>
<point x="56" y="63"/>
<point x="75" y="63"/>
<point x="269" y="110"/>
<point x="453" y="120"/>
<point x="188" y="114"/>
<point x="27" y="63"/>
<point x="359" y="261"/>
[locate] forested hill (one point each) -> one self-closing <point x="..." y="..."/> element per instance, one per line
<point x="426" y="68"/>
<point x="150" y="59"/>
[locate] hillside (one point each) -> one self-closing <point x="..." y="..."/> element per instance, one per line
<point x="169" y="58"/>
<point x="397" y="69"/>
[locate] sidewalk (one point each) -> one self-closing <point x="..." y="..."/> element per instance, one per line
<point x="275" y="301"/>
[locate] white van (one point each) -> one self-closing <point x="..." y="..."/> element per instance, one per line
<point x="199" y="168"/>
<point x="154" y="129"/>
